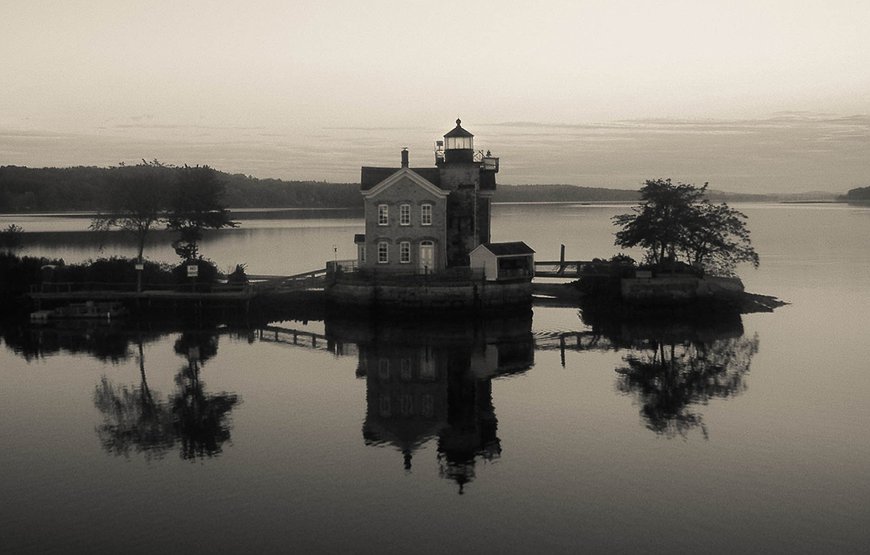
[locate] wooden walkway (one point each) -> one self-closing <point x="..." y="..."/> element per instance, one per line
<point x="97" y="291"/>
<point x="570" y="268"/>
<point x="305" y="339"/>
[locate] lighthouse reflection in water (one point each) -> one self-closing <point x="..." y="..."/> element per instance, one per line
<point x="434" y="381"/>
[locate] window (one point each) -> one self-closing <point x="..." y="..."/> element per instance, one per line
<point x="361" y="252"/>
<point x="407" y="406"/>
<point x="384" y="368"/>
<point x="406" y="369"/>
<point x="383" y="252"/>
<point x="383" y="214"/>
<point x="428" y="406"/>
<point x="405" y="214"/>
<point x="426" y="214"/>
<point x="405" y="252"/>
<point x="384" y="402"/>
<point x="427" y="365"/>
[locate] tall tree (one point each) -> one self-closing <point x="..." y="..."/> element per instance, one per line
<point x="138" y="201"/>
<point x="196" y="205"/>
<point x="675" y="221"/>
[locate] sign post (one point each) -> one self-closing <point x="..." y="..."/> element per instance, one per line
<point x="139" y="267"/>
<point x="192" y="273"/>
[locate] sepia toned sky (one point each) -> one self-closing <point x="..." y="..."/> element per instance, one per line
<point x="762" y="95"/>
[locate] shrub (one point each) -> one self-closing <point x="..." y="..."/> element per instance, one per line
<point x="207" y="273"/>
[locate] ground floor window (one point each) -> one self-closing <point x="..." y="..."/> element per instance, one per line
<point x="361" y="251"/>
<point x="405" y="252"/>
<point x="383" y="252"/>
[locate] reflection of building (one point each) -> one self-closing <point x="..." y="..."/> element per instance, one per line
<point x="427" y="382"/>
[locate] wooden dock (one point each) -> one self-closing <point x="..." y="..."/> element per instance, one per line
<point x="571" y="268"/>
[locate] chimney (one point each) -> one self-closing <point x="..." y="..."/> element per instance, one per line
<point x="405" y="157"/>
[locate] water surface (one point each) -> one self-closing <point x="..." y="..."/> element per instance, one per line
<point x="550" y="430"/>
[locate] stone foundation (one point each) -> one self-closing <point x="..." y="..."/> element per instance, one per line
<point x="466" y="295"/>
<point x="679" y="289"/>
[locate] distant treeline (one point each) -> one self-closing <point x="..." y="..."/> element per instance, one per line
<point x="90" y="189"/>
<point x="562" y="193"/>
<point x="859" y="194"/>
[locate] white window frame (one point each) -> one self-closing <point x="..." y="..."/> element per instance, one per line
<point x="426" y="214"/>
<point x="383" y="214"/>
<point x="404" y="214"/>
<point x="405" y="252"/>
<point x="383" y="252"/>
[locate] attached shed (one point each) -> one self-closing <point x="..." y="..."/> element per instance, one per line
<point x="502" y="261"/>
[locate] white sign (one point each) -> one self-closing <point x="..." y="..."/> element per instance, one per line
<point x="140" y="266"/>
<point x="192" y="270"/>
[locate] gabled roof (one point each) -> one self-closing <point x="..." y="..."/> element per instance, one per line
<point x="514" y="248"/>
<point x="410" y="174"/>
<point x="371" y="176"/>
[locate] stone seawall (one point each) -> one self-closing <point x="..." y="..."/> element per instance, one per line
<point x="468" y="295"/>
<point x="680" y="289"/>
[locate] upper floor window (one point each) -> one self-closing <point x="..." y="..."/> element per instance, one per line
<point x="383" y="252"/>
<point x="405" y="252"/>
<point x="405" y="214"/>
<point x="426" y="214"/>
<point x="383" y="214"/>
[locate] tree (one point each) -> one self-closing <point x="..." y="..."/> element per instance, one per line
<point x="138" y="202"/>
<point x="196" y="205"/>
<point x="716" y="239"/>
<point x="11" y="238"/>
<point x="675" y="221"/>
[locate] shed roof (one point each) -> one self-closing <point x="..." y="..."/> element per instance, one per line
<point x="513" y="248"/>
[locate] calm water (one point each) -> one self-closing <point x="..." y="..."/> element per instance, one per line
<point x="544" y="431"/>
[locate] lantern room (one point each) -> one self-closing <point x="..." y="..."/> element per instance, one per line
<point x="458" y="145"/>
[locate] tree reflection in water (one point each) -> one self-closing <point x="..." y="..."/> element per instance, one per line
<point x="137" y="419"/>
<point x="676" y="362"/>
<point x="669" y="379"/>
<point x="433" y="380"/>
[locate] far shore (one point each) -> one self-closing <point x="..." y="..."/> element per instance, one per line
<point x="260" y="212"/>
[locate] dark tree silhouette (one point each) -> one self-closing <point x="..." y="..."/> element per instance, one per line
<point x="676" y="221"/>
<point x="196" y="205"/>
<point x="11" y="238"/>
<point x="138" y="200"/>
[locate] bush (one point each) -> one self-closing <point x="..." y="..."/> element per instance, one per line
<point x="207" y="274"/>
<point x="113" y="270"/>
<point x="238" y="276"/>
<point x="605" y="281"/>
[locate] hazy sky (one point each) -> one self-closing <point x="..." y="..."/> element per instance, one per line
<point x="746" y="94"/>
